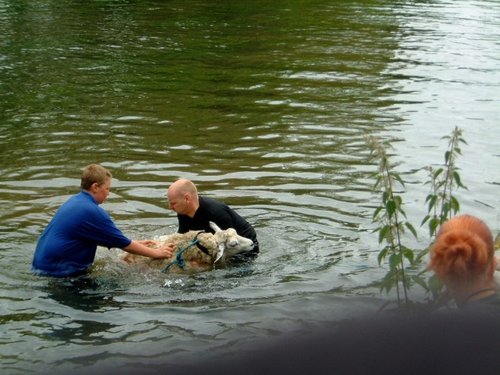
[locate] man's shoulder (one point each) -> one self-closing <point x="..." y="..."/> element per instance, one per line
<point x="76" y="203"/>
<point x="208" y="200"/>
<point x="211" y="203"/>
<point x="83" y="205"/>
<point x="214" y="210"/>
<point x="82" y="199"/>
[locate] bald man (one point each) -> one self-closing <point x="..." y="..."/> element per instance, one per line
<point x="194" y="212"/>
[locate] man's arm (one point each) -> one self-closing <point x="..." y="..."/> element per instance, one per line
<point x="137" y="248"/>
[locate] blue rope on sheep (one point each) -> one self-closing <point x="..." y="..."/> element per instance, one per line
<point x="178" y="257"/>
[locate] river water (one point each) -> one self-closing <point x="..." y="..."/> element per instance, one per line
<point x="264" y="105"/>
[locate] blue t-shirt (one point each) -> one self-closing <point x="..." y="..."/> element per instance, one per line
<point x="68" y="244"/>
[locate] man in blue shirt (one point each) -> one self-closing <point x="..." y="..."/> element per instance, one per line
<point x="68" y="244"/>
<point x="194" y="212"/>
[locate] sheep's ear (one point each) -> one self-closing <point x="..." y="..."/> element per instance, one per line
<point x="214" y="227"/>
<point x="220" y="253"/>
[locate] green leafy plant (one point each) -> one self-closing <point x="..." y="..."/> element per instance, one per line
<point x="442" y="204"/>
<point x="392" y="224"/>
<point x="392" y="221"/>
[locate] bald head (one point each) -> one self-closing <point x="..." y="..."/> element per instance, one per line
<point x="182" y="186"/>
<point x="183" y="197"/>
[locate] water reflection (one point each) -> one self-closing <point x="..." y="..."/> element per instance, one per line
<point x="82" y="332"/>
<point x="85" y="293"/>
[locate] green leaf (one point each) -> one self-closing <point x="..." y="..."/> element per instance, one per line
<point x="445" y="137"/>
<point x="427" y="217"/>
<point x="398" y="200"/>
<point x="382" y="255"/>
<point x="376" y="212"/>
<point x="420" y="281"/>
<point x="411" y="229"/>
<point x="390" y="207"/>
<point x="398" y="178"/>
<point x="394" y="261"/>
<point x="434" y="284"/>
<point x="422" y="254"/>
<point x="456" y="177"/>
<point x="385" y="197"/>
<point x="386" y="285"/>
<point x="382" y="235"/>
<point x="390" y="280"/>
<point x="437" y="172"/>
<point x="433" y="225"/>
<point x="439" y="184"/>
<point x="447" y="156"/>
<point x="446" y="210"/>
<point x="455" y="206"/>
<point x="432" y="202"/>
<point x="408" y="254"/>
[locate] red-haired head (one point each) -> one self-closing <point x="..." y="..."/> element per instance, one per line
<point x="463" y="254"/>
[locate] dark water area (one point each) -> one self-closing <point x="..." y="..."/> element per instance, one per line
<point x="265" y="106"/>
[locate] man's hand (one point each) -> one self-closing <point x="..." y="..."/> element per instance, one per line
<point x="160" y="252"/>
<point x="165" y="251"/>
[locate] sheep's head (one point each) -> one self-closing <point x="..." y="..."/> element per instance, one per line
<point x="229" y="243"/>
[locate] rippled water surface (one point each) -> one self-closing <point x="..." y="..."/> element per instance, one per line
<point x="264" y="105"/>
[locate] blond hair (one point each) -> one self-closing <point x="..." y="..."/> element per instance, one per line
<point x="94" y="173"/>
